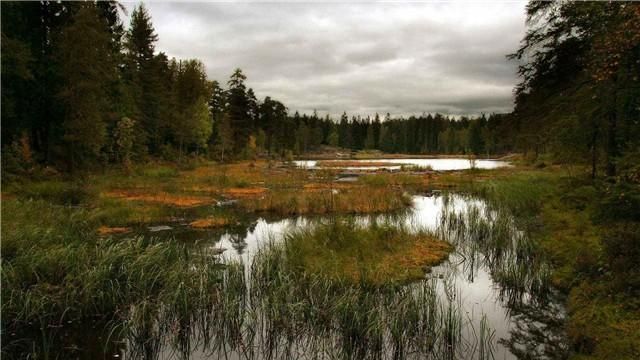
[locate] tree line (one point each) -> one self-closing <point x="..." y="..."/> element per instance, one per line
<point x="579" y="98"/>
<point x="78" y="88"/>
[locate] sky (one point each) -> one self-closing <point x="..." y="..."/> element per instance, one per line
<point x="359" y="57"/>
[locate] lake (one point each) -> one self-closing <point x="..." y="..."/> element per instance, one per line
<point x="438" y="164"/>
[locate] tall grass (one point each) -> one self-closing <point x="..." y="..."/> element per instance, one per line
<point x="358" y="200"/>
<point x="375" y="252"/>
<point x="57" y="272"/>
<point x="509" y="253"/>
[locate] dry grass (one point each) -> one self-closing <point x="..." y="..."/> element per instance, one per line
<point x="405" y="263"/>
<point x="208" y="223"/>
<point x="106" y="230"/>
<point x="161" y="198"/>
<point x="320" y="187"/>
<point x="244" y="192"/>
<point x="357" y="200"/>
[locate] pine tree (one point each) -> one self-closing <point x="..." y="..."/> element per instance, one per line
<point x="142" y="78"/>
<point x="239" y="111"/>
<point x="87" y="69"/>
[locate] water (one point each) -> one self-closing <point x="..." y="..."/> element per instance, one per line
<point x="396" y="164"/>
<point x="474" y="279"/>
<point x="467" y="273"/>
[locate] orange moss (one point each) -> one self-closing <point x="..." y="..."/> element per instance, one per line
<point x="161" y="198"/>
<point x="106" y="230"/>
<point x="403" y="264"/>
<point x="208" y="223"/>
<point x="244" y="192"/>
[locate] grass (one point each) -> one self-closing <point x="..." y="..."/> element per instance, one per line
<point x="333" y="290"/>
<point x="158" y="294"/>
<point x="57" y="272"/>
<point x="304" y="308"/>
<point x="359" y="200"/>
<point x="379" y="253"/>
<point x="560" y="213"/>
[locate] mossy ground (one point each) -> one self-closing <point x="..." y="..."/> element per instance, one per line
<point x="377" y="254"/>
<point x="558" y="206"/>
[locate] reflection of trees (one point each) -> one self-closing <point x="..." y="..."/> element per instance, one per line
<point x="537" y="333"/>
<point x="238" y="234"/>
<point x="489" y="237"/>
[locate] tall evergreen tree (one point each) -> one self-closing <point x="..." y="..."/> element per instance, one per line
<point x="87" y="69"/>
<point x="142" y="77"/>
<point x="238" y="108"/>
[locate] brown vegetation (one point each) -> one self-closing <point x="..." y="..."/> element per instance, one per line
<point x="361" y="200"/>
<point x="106" y="230"/>
<point x="161" y="198"/>
<point x="208" y="223"/>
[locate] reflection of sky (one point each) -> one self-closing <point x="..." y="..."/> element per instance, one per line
<point x="435" y="164"/>
<point x="475" y="289"/>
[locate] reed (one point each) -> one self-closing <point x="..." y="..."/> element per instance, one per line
<point x="357" y="200"/>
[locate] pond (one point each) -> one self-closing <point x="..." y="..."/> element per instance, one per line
<point x="492" y="290"/>
<point x="438" y="164"/>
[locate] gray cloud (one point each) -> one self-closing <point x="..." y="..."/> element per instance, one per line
<point x="402" y="58"/>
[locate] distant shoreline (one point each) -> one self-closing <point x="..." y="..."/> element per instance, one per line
<point x="373" y="156"/>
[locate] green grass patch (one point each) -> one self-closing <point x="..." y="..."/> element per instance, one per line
<point x="582" y="226"/>
<point x="375" y="254"/>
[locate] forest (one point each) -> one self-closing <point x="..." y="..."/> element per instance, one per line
<point x="141" y="103"/>
<point x="150" y="211"/>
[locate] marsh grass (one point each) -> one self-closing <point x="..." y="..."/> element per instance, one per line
<point x="377" y="252"/>
<point x="357" y="200"/>
<point x="511" y="256"/>
<point x="56" y="191"/>
<point x="560" y="215"/>
<point x="391" y="179"/>
<point x="57" y="272"/>
<point x="307" y="311"/>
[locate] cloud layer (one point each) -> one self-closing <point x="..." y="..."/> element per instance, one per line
<point x="402" y="58"/>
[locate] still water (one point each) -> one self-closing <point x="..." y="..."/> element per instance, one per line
<point x="477" y="276"/>
<point x="396" y="164"/>
<point x="497" y="289"/>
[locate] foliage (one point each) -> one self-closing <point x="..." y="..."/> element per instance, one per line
<point x="85" y="65"/>
<point x="378" y="253"/>
<point x="123" y="140"/>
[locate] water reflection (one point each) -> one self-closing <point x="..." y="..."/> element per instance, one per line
<point x="491" y="299"/>
<point x="493" y="276"/>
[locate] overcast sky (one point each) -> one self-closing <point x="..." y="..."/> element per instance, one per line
<point x="401" y="58"/>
